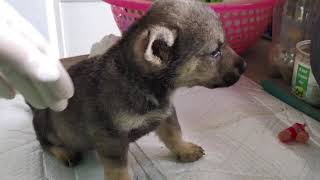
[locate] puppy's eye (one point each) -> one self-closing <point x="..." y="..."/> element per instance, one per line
<point x="216" y="54"/>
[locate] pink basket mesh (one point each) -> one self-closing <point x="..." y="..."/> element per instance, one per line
<point x="244" y="21"/>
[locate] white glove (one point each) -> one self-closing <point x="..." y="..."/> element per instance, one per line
<point x="27" y="65"/>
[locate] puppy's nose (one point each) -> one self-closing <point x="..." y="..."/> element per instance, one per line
<point x="241" y="66"/>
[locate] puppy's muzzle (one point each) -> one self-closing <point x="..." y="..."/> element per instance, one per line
<point x="241" y="66"/>
<point x="232" y="77"/>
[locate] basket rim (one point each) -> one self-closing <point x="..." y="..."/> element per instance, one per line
<point x="145" y="4"/>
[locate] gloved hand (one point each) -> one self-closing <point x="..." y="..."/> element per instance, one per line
<point x="28" y="66"/>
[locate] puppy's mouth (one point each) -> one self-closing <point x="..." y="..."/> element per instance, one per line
<point x="228" y="80"/>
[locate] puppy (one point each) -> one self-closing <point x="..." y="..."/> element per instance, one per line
<point x="125" y="93"/>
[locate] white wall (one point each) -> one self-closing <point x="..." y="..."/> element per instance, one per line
<point x="85" y="23"/>
<point x="77" y="24"/>
<point x="41" y="14"/>
<point x="36" y="13"/>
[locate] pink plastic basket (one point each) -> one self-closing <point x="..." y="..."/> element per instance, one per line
<point x="244" y="21"/>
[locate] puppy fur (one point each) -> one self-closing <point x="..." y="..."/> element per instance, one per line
<point x="125" y="93"/>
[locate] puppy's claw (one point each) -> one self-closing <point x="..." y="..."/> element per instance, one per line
<point x="189" y="152"/>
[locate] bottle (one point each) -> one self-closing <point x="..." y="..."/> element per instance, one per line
<point x="288" y="30"/>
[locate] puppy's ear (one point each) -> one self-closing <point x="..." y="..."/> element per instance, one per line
<point x="159" y="41"/>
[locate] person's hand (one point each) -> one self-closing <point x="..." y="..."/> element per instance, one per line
<point x="26" y="65"/>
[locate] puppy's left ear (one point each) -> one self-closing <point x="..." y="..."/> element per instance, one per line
<point x="158" y="42"/>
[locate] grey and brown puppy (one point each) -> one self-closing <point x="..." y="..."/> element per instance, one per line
<point x="125" y="93"/>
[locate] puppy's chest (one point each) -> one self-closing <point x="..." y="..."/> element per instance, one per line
<point x="137" y="125"/>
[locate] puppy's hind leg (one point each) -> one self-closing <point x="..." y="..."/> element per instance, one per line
<point x="51" y="143"/>
<point x="169" y="132"/>
<point x="69" y="157"/>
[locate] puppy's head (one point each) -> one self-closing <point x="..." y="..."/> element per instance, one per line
<point x="183" y="40"/>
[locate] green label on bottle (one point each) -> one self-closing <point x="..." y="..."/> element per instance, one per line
<point x="301" y="81"/>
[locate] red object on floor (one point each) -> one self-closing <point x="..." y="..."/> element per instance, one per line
<point x="296" y="132"/>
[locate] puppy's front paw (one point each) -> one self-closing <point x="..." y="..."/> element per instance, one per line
<point x="189" y="152"/>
